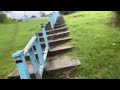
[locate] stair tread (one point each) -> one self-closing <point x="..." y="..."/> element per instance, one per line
<point x="59" y="62"/>
<point x="61" y="47"/>
<point x="56" y="34"/>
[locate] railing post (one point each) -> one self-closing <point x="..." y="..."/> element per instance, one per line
<point x="21" y="64"/>
<point x="45" y="35"/>
<point x="54" y="16"/>
<point x="51" y="21"/>
<point x="39" y="51"/>
<point x="34" y="63"/>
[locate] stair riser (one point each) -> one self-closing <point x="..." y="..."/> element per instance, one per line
<point x="59" y="26"/>
<point x="55" y="31"/>
<point x="56" y="36"/>
<point x="55" y="74"/>
<point x="63" y="51"/>
<point x="54" y="44"/>
<point x="57" y="23"/>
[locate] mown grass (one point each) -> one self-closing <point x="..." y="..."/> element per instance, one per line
<point x="96" y="45"/>
<point x="14" y="37"/>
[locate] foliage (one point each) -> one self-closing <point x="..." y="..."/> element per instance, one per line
<point x="33" y="16"/>
<point x="67" y="12"/>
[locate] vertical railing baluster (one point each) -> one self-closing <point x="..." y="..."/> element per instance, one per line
<point x="39" y="50"/>
<point x="51" y="21"/>
<point x="44" y="35"/>
<point x="54" y="17"/>
<point x="34" y="63"/>
<point x="21" y="64"/>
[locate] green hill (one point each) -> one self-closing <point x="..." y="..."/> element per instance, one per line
<point x="97" y="45"/>
<point x="14" y="37"/>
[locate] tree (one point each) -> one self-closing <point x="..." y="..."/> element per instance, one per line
<point x="3" y="16"/>
<point x="8" y="12"/>
<point x="40" y="13"/>
<point x="43" y="14"/>
<point x="116" y="18"/>
<point x="67" y="12"/>
<point x="33" y="16"/>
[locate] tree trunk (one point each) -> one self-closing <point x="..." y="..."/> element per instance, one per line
<point x="116" y="19"/>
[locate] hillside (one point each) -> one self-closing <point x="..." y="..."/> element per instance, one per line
<point x="96" y="44"/>
<point x="14" y="37"/>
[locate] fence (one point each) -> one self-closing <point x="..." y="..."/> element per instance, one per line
<point x="39" y="65"/>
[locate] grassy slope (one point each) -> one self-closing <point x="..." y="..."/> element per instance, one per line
<point x="93" y="42"/>
<point x="14" y="37"/>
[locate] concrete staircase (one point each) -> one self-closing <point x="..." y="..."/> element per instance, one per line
<point x="58" y="41"/>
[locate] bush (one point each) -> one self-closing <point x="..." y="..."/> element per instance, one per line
<point x="3" y="16"/>
<point x="116" y="19"/>
<point x="67" y="12"/>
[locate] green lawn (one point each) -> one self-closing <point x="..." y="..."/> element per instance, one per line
<point x="97" y="45"/>
<point x="14" y="37"/>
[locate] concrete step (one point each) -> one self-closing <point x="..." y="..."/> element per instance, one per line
<point x="61" y="25"/>
<point x="61" y="49"/>
<point x="55" y="36"/>
<point x="53" y="31"/>
<point x="59" y="41"/>
<point x="56" y="49"/>
<point x="60" y="20"/>
<point x="57" y="23"/>
<point x="52" y="64"/>
<point x="59" y="62"/>
<point x="58" y="26"/>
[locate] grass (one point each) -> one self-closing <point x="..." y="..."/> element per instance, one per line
<point x="14" y="37"/>
<point x="97" y="45"/>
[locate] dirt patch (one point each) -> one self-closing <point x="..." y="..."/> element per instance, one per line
<point x="68" y="73"/>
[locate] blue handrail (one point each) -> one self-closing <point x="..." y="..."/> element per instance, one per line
<point x="38" y="67"/>
<point x="19" y="56"/>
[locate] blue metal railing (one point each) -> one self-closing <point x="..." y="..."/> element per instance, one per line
<point x="53" y="18"/>
<point x="39" y="65"/>
<point x="19" y="56"/>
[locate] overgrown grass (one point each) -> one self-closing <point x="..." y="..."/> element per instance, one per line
<point x="14" y="37"/>
<point x="97" y="45"/>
